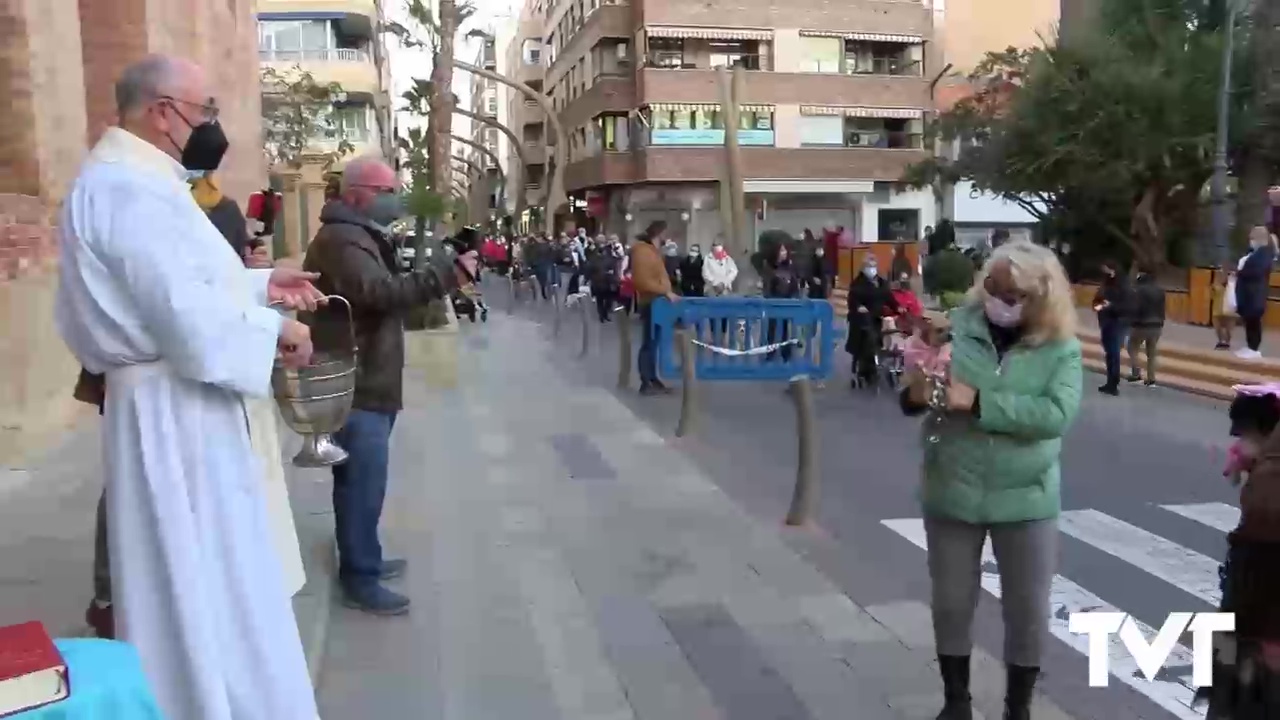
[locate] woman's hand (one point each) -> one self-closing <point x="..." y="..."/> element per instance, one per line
<point x="960" y="397"/>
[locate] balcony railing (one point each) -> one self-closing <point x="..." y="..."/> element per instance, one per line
<point x="334" y="55"/>
<point x="884" y="139"/>
<point x="679" y="62"/>
<point x="882" y="66"/>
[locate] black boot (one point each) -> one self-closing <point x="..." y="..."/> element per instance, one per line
<point x="1021" y="685"/>
<point x="955" y="688"/>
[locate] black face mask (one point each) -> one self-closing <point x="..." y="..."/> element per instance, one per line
<point x="205" y="147"/>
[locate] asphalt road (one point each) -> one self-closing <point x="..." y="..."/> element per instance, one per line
<point x="1145" y="506"/>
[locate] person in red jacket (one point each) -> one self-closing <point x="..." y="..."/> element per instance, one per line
<point x="909" y="306"/>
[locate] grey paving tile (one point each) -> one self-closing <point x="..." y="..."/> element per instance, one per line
<point x="581" y="458"/>
<point x="732" y="666"/>
<point x="910" y="622"/>
<point x="837" y="619"/>
<point x="659" y="681"/>
<point x="890" y="668"/>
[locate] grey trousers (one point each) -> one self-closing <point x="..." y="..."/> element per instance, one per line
<point x="101" y="556"/>
<point x="1026" y="555"/>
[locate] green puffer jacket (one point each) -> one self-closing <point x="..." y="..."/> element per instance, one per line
<point x="1002" y="466"/>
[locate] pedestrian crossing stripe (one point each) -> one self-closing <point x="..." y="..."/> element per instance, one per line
<point x="1188" y="570"/>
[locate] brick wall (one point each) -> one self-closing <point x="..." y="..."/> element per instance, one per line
<point x="60" y="97"/>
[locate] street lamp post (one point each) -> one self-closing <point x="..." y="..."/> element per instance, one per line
<point x="1218" y="184"/>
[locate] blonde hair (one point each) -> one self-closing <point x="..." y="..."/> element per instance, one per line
<point x="1049" y="312"/>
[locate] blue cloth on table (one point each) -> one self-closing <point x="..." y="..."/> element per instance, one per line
<point x="107" y="683"/>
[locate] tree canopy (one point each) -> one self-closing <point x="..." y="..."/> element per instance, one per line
<point x="1108" y="138"/>
<point x="298" y="111"/>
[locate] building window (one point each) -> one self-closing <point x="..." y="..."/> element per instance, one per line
<point x="889" y="133"/>
<point x="610" y="57"/>
<point x="820" y="54"/>
<point x="299" y="40"/>
<point x="820" y="130"/>
<point x="353" y="122"/>
<point x="531" y="52"/>
<point x="666" y="52"/>
<point x="613" y="131"/>
<point x="881" y="58"/>
<point x="493" y="106"/>
<point x="734" y="53"/>
<point x="898" y="224"/>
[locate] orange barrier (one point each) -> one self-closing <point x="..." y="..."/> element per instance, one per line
<point x="1194" y="304"/>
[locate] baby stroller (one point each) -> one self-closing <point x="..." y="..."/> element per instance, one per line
<point x="890" y="358"/>
<point x="467" y="299"/>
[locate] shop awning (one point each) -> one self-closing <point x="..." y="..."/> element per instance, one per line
<point x="681" y="107"/>
<point x="866" y="36"/>
<point x="708" y="33"/>
<point x="868" y="112"/>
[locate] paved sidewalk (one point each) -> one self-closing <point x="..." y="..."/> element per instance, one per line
<point x="568" y="562"/>
<point x="47" y="514"/>
<point x="1195" y="336"/>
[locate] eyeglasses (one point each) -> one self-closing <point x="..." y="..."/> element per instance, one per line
<point x="208" y="110"/>
<point x="382" y="189"/>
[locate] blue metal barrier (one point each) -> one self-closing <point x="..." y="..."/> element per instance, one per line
<point x="743" y="327"/>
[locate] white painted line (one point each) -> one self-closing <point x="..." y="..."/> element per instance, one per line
<point x="1066" y="597"/>
<point x="1219" y="516"/>
<point x="1185" y="569"/>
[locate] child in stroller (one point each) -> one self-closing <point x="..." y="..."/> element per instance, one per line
<point x="467" y="298"/>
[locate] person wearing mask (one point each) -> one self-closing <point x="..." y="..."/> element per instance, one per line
<point x="870" y="298"/>
<point x="1114" y="305"/>
<point x="782" y="282"/>
<point x="992" y="464"/>
<point x="671" y="262"/>
<point x="651" y="281"/>
<point x="356" y="260"/>
<point x="151" y="296"/>
<point x="1224" y="307"/>
<point x="1148" y="323"/>
<point x="604" y="272"/>
<point x="1253" y="280"/>
<point x="817" y="277"/>
<point x="691" y="282"/>
<point x="719" y="271"/>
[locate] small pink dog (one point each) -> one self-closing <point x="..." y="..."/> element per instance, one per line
<point x="931" y="360"/>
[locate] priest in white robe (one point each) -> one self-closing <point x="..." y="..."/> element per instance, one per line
<point x="151" y="295"/>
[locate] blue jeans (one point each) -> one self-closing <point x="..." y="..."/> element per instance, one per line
<point x="648" y="356"/>
<point x="1112" y="337"/>
<point x="359" y="488"/>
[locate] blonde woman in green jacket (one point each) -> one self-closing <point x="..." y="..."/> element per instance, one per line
<point x="991" y="464"/>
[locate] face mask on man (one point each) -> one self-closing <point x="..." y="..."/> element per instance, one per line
<point x="205" y="146"/>
<point x="385" y="208"/>
<point x="717" y="251"/>
<point x="671" y="250"/>
<point x="870" y="272"/>
<point x="1001" y="313"/>
<point x="695" y="251"/>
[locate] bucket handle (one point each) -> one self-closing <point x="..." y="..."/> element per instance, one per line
<point x="351" y="318"/>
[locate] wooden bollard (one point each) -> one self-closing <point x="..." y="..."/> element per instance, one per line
<point x="804" y="498"/>
<point x="688" y="390"/>
<point x="624" y="350"/>
<point x="585" y="309"/>
<point x="555" y="302"/>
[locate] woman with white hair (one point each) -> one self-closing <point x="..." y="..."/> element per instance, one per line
<point x="991" y="463"/>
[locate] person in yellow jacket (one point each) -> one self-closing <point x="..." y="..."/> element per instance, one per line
<point x="649" y="276"/>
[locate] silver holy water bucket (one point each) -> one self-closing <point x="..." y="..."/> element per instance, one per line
<point x="315" y="400"/>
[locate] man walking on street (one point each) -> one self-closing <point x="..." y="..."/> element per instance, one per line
<point x="1113" y="304"/>
<point x="152" y="296"/>
<point x="357" y="260"/>
<point x="1148" y="323"/>
<point x="649" y="274"/>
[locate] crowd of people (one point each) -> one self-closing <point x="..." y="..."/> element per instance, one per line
<point x="176" y="318"/>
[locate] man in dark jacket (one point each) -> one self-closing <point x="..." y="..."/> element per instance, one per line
<point x="1253" y="281"/>
<point x="870" y="298"/>
<point x="1148" y="323"/>
<point x="357" y="261"/>
<point x="1114" y="306"/>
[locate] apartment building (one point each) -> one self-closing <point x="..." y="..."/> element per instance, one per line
<point x="835" y="97"/>
<point x="483" y="166"/>
<point x="336" y="41"/>
<point x="525" y="61"/>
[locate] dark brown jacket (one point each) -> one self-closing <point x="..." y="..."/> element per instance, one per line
<point x="357" y="261"/>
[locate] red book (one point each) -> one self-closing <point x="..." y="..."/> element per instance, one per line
<point x="32" y="671"/>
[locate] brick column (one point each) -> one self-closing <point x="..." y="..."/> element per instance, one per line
<point x="113" y="34"/>
<point x="315" y="203"/>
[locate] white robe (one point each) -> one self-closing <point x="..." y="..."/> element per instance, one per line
<point x="151" y="294"/>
